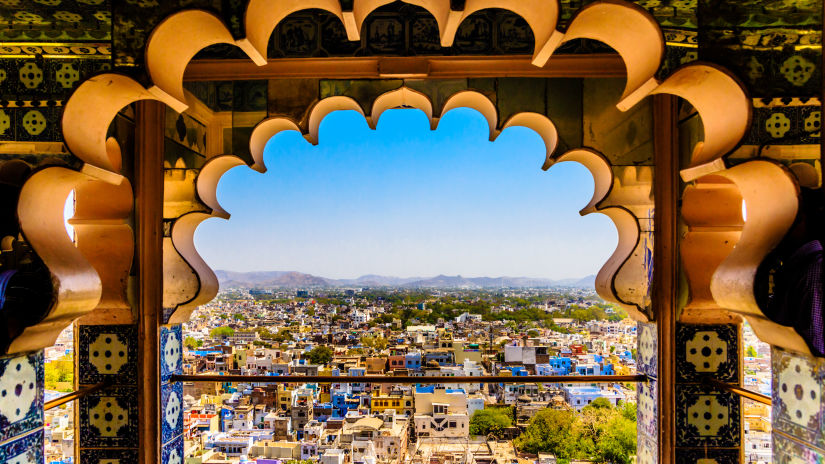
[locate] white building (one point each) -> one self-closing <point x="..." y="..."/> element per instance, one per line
<point x="580" y="396"/>
<point x="441" y="413"/>
<point x="333" y="456"/>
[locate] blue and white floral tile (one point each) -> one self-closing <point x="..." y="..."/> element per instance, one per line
<point x="647" y="450"/>
<point x="25" y="449"/>
<point x="21" y="394"/>
<point x="707" y="456"/>
<point x="171" y="357"/>
<point x="787" y="451"/>
<point x="172" y="452"/>
<point x="109" y="418"/>
<point x="108" y="456"/>
<point x="107" y="352"/>
<point x="797" y="396"/>
<point x="707" y="417"/>
<point x="647" y="349"/>
<point x="171" y="406"/>
<point x="647" y="409"/>
<point x="707" y="350"/>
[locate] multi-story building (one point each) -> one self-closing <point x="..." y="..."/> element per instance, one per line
<point x="441" y="413"/>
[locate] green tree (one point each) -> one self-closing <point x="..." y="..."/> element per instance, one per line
<point x="59" y="374"/>
<point x="617" y="440"/>
<point x="549" y="431"/>
<point x="491" y="421"/>
<point x="191" y="343"/>
<point x="377" y="342"/>
<point x="239" y="317"/>
<point x="751" y="352"/>
<point x="320" y="355"/>
<point x="283" y="336"/>
<point x="600" y="403"/>
<point x="221" y="332"/>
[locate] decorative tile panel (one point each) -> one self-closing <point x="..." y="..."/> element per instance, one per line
<point x="787" y="451"/>
<point x="172" y="453"/>
<point x="109" y="418"/>
<point x="647" y="409"/>
<point x="107" y="352"/>
<point x="21" y="395"/>
<point x="647" y="450"/>
<point x="171" y="358"/>
<point x="171" y="406"/>
<point x="707" y="350"/>
<point x="109" y="456"/>
<point x="647" y="351"/>
<point x="707" y="417"/>
<point x="26" y="449"/>
<point x="707" y="456"/>
<point x="797" y="396"/>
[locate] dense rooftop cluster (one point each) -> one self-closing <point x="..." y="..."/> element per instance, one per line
<point x="426" y="333"/>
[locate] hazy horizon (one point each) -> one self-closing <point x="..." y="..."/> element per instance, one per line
<point x="407" y="201"/>
<point x="407" y="276"/>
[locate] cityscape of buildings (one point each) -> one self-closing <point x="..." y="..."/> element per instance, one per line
<point x="391" y="332"/>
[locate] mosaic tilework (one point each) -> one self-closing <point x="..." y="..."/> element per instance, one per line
<point x="647" y="351"/>
<point x="647" y="417"/>
<point x="107" y="456"/>
<point x="797" y="396"/>
<point x="647" y="451"/>
<point x="770" y="46"/>
<point x="787" y="451"/>
<point x="171" y="345"/>
<point x="109" y="418"/>
<point x="707" y="456"/>
<point x="171" y="406"/>
<point x="56" y="21"/>
<point x="785" y="122"/>
<point x="172" y="452"/>
<point x="707" y="351"/>
<point x="647" y="410"/>
<point x="171" y="394"/>
<point x="707" y="417"/>
<point x="708" y="421"/>
<point x="107" y="352"/>
<point x="21" y="395"/>
<point x="26" y="449"/>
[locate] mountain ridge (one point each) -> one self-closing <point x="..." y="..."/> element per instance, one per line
<point x="294" y="279"/>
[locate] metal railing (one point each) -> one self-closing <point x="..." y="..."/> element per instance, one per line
<point x="408" y="379"/>
<point x="751" y="395"/>
<point x="74" y="395"/>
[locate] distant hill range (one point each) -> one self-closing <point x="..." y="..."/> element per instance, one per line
<point x="291" y="279"/>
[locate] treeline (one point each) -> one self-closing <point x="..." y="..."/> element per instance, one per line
<point x="599" y="433"/>
<point x="448" y="309"/>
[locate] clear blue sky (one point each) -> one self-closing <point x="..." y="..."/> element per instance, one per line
<point x="406" y="201"/>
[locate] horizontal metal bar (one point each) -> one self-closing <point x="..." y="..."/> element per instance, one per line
<point x="407" y="379"/>
<point x="74" y="395"/>
<point x="751" y="395"/>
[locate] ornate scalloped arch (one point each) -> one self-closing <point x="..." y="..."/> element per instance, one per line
<point x="719" y="99"/>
